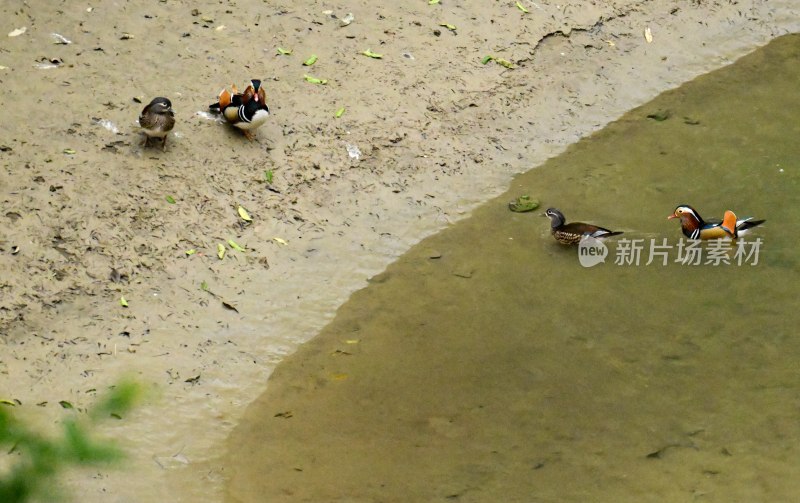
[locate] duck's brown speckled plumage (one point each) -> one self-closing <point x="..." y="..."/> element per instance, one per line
<point x="157" y="120"/>
<point x="572" y="233"/>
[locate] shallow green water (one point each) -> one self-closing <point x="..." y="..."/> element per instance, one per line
<point x="502" y="370"/>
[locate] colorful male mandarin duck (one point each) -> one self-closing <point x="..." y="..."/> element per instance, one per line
<point x="255" y="91"/>
<point x="247" y="111"/>
<point x="694" y="227"/>
<point x="572" y="233"/>
<point x="157" y="120"/>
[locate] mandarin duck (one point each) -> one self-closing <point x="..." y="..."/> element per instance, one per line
<point x="157" y="120"/>
<point x="572" y="233"/>
<point x="694" y="227"/>
<point x="246" y="111"/>
<point x="255" y="91"/>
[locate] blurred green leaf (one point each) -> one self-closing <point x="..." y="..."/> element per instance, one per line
<point x="32" y="472"/>
<point x="120" y="400"/>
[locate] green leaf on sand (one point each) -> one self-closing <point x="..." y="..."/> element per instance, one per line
<point x="499" y="61"/>
<point x="315" y="80"/>
<point x="235" y="246"/>
<point x="503" y="62"/>
<point x="243" y="213"/>
<point x="374" y="55"/>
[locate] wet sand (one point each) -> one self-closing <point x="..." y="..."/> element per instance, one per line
<point x="438" y="132"/>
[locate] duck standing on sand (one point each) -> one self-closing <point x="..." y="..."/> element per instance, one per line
<point x="157" y="120"/>
<point x="246" y="111"/>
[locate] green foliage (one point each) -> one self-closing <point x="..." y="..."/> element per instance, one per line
<point x="39" y="460"/>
